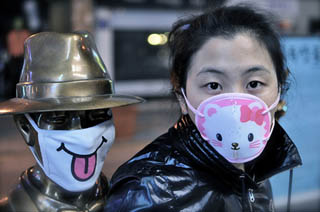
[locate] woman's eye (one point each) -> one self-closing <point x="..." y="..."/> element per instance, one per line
<point x="254" y="84"/>
<point x="214" y="86"/>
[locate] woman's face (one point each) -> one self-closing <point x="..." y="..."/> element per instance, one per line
<point x="235" y="65"/>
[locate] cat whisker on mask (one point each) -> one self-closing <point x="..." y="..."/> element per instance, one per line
<point x="254" y="146"/>
<point x="216" y="143"/>
<point x="255" y="142"/>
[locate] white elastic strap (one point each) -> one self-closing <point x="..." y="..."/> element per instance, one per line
<point x="32" y="122"/>
<point x="190" y="106"/>
<point x="271" y="130"/>
<point x="273" y="105"/>
<point x="33" y="151"/>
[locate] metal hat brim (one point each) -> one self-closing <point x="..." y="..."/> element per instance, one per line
<point x="21" y="105"/>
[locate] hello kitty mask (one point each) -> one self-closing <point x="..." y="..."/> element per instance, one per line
<point x="237" y="125"/>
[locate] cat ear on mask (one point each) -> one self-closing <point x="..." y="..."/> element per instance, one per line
<point x="255" y="104"/>
<point x="211" y="109"/>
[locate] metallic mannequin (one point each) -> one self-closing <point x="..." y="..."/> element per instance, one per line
<point x="64" y="86"/>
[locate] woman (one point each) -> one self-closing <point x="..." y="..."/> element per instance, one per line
<point x="228" y="72"/>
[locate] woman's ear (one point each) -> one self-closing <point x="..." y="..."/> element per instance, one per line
<point x="24" y="128"/>
<point x="182" y="103"/>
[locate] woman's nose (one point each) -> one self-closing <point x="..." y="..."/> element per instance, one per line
<point x="235" y="88"/>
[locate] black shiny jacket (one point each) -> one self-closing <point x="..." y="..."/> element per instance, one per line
<point x="179" y="171"/>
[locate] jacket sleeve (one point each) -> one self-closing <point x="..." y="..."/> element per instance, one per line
<point x="138" y="195"/>
<point x="160" y="193"/>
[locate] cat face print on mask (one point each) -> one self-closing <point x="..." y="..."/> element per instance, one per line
<point x="236" y="125"/>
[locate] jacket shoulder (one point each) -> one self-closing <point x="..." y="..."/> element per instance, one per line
<point x="154" y="157"/>
<point x="148" y="176"/>
<point x="158" y="179"/>
<point x="163" y="192"/>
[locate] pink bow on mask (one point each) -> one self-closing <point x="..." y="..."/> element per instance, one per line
<point x="251" y="115"/>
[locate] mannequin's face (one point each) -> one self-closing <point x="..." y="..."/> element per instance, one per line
<point x="71" y="120"/>
<point x="59" y="120"/>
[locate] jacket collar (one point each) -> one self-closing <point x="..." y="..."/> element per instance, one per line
<point x="279" y="155"/>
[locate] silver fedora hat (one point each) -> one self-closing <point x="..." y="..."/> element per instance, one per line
<point x="62" y="72"/>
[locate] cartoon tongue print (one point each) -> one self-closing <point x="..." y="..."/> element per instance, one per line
<point x="82" y="166"/>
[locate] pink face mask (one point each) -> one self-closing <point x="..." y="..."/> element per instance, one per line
<point x="236" y="125"/>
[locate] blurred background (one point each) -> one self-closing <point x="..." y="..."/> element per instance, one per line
<point x="131" y="36"/>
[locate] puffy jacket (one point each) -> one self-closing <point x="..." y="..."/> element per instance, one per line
<point x="180" y="171"/>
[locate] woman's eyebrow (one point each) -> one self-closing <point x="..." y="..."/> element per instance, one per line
<point x="210" y="70"/>
<point x="256" y="69"/>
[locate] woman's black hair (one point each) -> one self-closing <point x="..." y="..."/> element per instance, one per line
<point x="188" y="35"/>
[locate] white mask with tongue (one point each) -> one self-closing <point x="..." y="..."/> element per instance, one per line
<point x="74" y="158"/>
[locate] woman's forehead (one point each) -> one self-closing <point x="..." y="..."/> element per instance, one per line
<point x="241" y="52"/>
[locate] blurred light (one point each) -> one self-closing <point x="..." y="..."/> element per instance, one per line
<point x="4" y="111"/>
<point x="157" y="39"/>
<point x="154" y="39"/>
<point x="164" y="39"/>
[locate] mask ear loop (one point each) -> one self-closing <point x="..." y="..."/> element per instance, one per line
<point x="32" y="149"/>
<point x="190" y="106"/>
<point x="273" y="105"/>
<point x="271" y="130"/>
<point x="32" y="122"/>
<point x="269" y="109"/>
